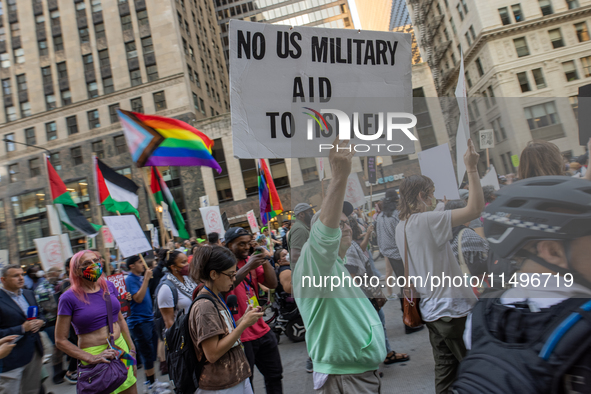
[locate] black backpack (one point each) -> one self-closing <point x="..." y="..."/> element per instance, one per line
<point x="184" y="369"/>
<point x="159" y="325"/>
<point x="515" y="350"/>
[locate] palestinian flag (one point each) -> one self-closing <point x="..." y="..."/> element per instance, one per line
<point x="69" y="213"/>
<point x="115" y="191"/>
<point x="161" y="193"/>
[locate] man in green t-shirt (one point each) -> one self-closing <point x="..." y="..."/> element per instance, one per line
<point x="300" y="231"/>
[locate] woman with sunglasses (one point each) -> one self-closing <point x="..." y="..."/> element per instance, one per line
<point x="83" y="306"/>
<point x="215" y="334"/>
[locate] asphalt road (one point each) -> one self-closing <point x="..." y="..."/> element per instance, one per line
<point x="414" y="376"/>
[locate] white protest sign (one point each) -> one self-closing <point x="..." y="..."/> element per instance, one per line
<point x="252" y="221"/>
<point x="167" y="219"/>
<point x="292" y="87"/>
<point x="129" y="235"/>
<point x="436" y="163"/>
<point x="354" y="192"/>
<point x="491" y="179"/>
<point x="487" y="139"/>
<point x="55" y="225"/>
<point x="204" y="201"/>
<point x="321" y="168"/>
<point x="212" y="220"/>
<point x="154" y="237"/>
<point x="108" y="240"/>
<point x="53" y="251"/>
<point x="4" y="260"/>
<point x="463" y="132"/>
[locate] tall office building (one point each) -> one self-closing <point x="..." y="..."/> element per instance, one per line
<point x="65" y="67"/>
<point x="524" y="62"/>
<point x="313" y="13"/>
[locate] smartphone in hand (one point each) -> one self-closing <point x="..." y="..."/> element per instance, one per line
<point x="15" y="340"/>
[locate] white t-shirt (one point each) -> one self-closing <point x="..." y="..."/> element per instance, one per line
<point x="430" y="256"/>
<point x="166" y="300"/>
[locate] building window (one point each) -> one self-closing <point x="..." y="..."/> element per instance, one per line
<point x="197" y="81"/>
<point x="21" y="83"/>
<point x="498" y="129"/>
<point x="190" y="73"/>
<point x="517" y="14"/>
<point x="504" y="14"/>
<point x="556" y="38"/>
<point x="96" y="5"/>
<point x="46" y="75"/>
<point x="88" y="63"/>
<point x="76" y="154"/>
<point x="539" y="78"/>
<point x="479" y="67"/>
<point x="10" y="146"/>
<point x="159" y="101"/>
<point x="92" y="88"/>
<point x="62" y="70"/>
<point x="72" y="123"/>
<point x="104" y="60"/>
<point x="222" y="180"/>
<point x="468" y="39"/>
<point x="13" y="173"/>
<point x="523" y="82"/>
<point x="195" y="101"/>
<point x="6" y="87"/>
<point x="486" y="100"/>
<point x="521" y="47"/>
<point x="582" y="32"/>
<point x="147" y="45"/>
<point x="56" y="161"/>
<point x="491" y="94"/>
<point x="93" y="119"/>
<point x="10" y="114"/>
<point x="136" y="105"/>
<point x="113" y="113"/>
<point x="108" y="86"/>
<point x="202" y="106"/>
<point x="472" y="33"/>
<point x="131" y="50"/>
<point x="574" y="103"/>
<point x="570" y="71"/>
<point x="136" y="77"/>
<point x="99" y="31"/>
<point x="97" y="149"/>
<point x="142" y="18"/>
<point x="84" y="35"/>
<point x="5" y="60"/>
<point x="43" y="51"/>
<point x="152" y="72"/>
<point x="50" y="102"/>
<point x="30" y="136"/>
<point x="35" y="167"/>
<point x="250" y="176"/>
<point x="26" y="109"/>
<point x="572" y="4"/>
<point x="424" y="127"/>
<point x="51" y="131"/>
<point x="66" y="97"/>
<point x="542" y="115"/>
<point x="309" y="169"/>
<point x="546" y="7"/>
<point x="279" y="173"/>
<point x="120" y="144"/>
<point x="126" y="22"/>
<point x="453" y="25"/>
<point x="460" y="12"/>
<point x="58" y="43"/>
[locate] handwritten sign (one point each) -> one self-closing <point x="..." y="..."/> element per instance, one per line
<point x="487" y="139"/>
<point x="119" y="281"/>
<point x="212" y="219"/>
<point x="128" y="234"/>
<point x="53" y="251"/>
<point x="108" y="240"/>
<point x="252" y="221"/>
<point x="354" y="192"/>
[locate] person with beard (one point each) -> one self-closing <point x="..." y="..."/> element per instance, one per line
<point x="260" y="343"/>
<point x="299" y="232"/>
<point x="346" y="359"/>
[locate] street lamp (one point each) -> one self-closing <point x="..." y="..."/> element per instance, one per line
<point x="23" y="143"/>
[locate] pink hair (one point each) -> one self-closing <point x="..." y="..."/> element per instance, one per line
<point x="76" y="279"/>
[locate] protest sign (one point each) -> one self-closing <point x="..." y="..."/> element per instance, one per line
<point x="354" y="192"/>
<point x="463" y="132"/>
<point x="436" y="164"/>
<point x="491" y="179"/>
<point x="55" y="225"/>
<point x="252" y="221"/>
<point x="108" y="240"/>
<point x="294" y="88"/>
<point x="212" y="220"/>
<point x="204" y="201"/>
<point x="119" y="281"/>
<point x="371" y="170"/>
<point x="128" y="234"/>
<point x="515" y="160"/>
<point x="90" y="243"/>
<point x="167" y="220"/>
<point x="53" y="250"/>
<point x="487" y="139"/>
<point x="154" y="237"/>
<point x="4" y="260"/>
<point x="321" y="168"/>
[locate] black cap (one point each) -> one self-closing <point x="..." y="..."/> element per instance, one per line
<point x="233" y="233"/>
<point x="347" y="208"/>
<point x="132" y="260"/>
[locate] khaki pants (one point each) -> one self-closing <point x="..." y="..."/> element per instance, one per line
<point x="361" y="383"/>
<point x="23" y="380"/>
<point x="446" y="337"/>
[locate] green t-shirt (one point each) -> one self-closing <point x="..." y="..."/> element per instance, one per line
<point x="344" y="334"/>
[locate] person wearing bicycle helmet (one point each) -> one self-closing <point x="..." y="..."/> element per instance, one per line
<point x="536" y="336"/>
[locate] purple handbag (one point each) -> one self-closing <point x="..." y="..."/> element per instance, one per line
<point x="102" y="378"/>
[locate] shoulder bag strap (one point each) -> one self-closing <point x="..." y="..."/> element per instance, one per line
<point x="406" y="270"/>
<point x="110" y="316"/>
<point x="461" y="259"/>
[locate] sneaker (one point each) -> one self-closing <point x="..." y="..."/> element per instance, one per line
<point x="72" y="379"/>
<point x="309" y="365"/>
<point x="392" y="297"/>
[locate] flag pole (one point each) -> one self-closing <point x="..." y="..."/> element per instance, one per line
<point x="59" y="236"/>
<point x="102" y="249"/>
<point x="155" y="206"/>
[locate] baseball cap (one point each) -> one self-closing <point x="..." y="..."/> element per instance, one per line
<point x="132" y="260"/>
<point x="301" y="207"/>
<point x="347" y="210"/>
<point x="233" y="233"/>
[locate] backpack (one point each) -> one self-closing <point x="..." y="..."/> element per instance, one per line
<point x="498" y="266"/>
<point x="515" y="350"/>
<point x="159" y="325"/>
<point x="184" y="369"/>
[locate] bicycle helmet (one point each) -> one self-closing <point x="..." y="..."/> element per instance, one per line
<point x="540" y="208"/>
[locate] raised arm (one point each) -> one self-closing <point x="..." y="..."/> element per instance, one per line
<point x="475" y="197"/>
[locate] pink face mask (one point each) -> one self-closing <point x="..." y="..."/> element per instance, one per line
<point x="185" y="270"/>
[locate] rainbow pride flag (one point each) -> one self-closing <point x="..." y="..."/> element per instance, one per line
<point x="159" y="141"/>
<point x="269" y="202"/>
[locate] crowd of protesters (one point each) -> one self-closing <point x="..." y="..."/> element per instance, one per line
<point x="538" y="222"/>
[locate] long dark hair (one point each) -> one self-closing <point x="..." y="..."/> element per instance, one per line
<point x="390" y="202"/>
<point x="210" y="258"/>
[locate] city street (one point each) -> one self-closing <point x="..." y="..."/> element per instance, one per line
<point x="414" y="376"/>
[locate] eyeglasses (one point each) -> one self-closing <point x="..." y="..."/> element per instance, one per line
<point x="231" y="276"/>
<point x="343" y="223"/>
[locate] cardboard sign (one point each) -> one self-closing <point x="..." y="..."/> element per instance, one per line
<point x="491" y="179"/>
<point x="292" y="87"/>
<point x="515" y="160"/>
<point x="487" y="139"/>
<point x="252" y="221"/>
<point x="108" y="240"/>
<point x="436" y="163"/>
<point x="53" y="251"/>
<point x="354" y="192"/>
<point x="119" y="281"/>
<point x="128" y="234"/>
<point x="212" y="220"/>
<point x="321" y="168"/>
<point x="4" y="260"/>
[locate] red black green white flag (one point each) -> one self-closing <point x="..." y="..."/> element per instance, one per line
<point x="162" y="193"/>
<point x="115" y="191"/>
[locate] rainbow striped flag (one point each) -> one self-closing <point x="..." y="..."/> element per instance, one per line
<point x="159" y="141"/>
<point x="269" y="202"/>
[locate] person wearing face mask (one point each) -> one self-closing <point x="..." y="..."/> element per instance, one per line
<point x="300" y="231"/>
<point x="423" y="236"/>
<point x="84" y="307"/>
